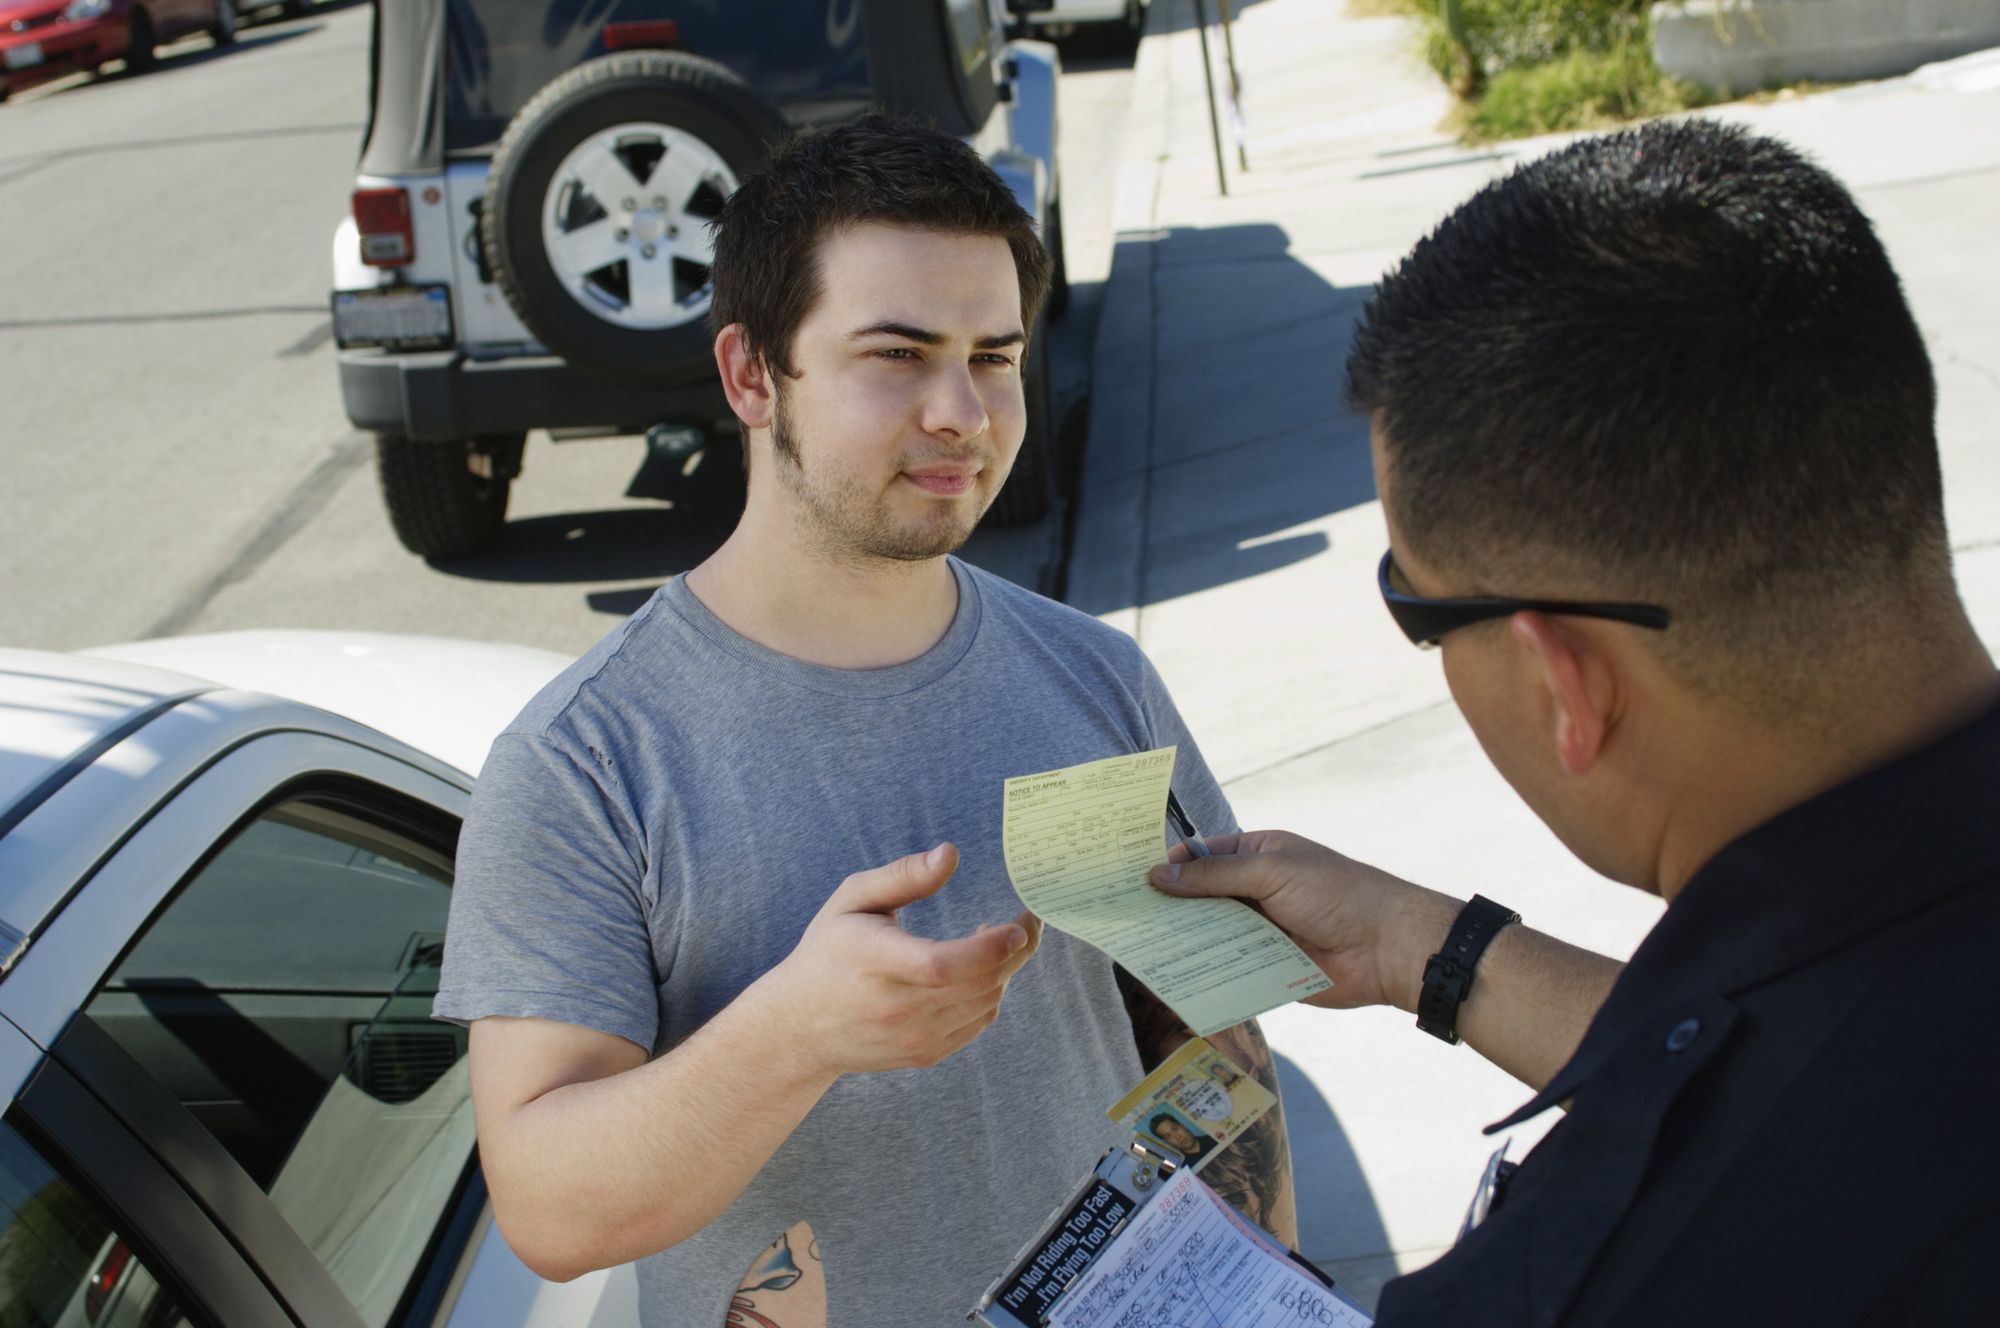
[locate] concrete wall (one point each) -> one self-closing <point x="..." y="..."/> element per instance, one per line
<point x="1742" y="45"/>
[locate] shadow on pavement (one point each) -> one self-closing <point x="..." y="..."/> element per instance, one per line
<point x="1090" y="48"/>
<point x="1337" y="1214"/>
<point x="1083" y="57"/>
<point x="1227" y="429"/>
<point x="696" y="513"/>
<point x="612" y="545"/>
<point x="174" y="61"/>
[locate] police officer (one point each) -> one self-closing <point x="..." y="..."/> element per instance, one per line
<point x="1652" y="429"/>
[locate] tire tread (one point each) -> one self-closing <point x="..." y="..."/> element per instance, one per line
<point x="438" y="508"/>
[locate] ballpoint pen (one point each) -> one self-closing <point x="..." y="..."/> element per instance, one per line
<point x="1184" y="828"/>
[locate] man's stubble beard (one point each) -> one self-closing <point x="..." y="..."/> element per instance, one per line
<point x="847" y="522"/>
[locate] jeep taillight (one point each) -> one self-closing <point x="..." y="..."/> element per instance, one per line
<point x="383" y="218"/>
<point x="643" y="35"/>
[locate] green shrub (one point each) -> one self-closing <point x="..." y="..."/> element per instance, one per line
<point x="1512" y="34"/>
<point x="1581" y="89"/>
<point x="1544" y="66"/>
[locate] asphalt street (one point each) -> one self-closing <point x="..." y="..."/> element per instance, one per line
<point x="178" y="457"/>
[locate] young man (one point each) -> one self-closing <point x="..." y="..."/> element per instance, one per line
<point x="1653" y="434"/>
<point x="1192" y="1145"/>
<point x="694" y="1043"/>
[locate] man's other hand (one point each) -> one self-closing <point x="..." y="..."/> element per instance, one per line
<point x="866" y="995"/>
<point x="1367" y="930"/>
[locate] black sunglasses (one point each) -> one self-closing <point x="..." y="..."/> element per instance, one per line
<point x="1426" y="620"/>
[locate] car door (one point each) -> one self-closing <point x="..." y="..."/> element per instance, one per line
<point x="244" y="984"/>
<point x="94" y="1232"/>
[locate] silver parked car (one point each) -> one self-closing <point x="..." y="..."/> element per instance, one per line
<point x="225" y="864"/>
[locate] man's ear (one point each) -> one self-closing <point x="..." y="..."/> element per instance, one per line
<point x="746" y="380"/>
<point x="1581" y="686"/>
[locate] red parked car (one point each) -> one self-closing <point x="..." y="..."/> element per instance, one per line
<point x="45" y="39"/>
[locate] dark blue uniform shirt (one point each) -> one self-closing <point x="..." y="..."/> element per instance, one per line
<point x="1788" y="1110"/>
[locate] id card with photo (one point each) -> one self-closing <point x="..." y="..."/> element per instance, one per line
<point x="1195" y="1103"/>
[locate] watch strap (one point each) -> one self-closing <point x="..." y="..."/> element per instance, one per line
<point x="1448" y="973"/>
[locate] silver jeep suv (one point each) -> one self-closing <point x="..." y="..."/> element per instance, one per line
<point x="529" y="244"/>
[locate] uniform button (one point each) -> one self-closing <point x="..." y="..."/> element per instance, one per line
<point x="1683" y="1034"/>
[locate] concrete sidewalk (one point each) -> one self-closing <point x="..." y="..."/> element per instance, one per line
<point x="1229" y="521"/>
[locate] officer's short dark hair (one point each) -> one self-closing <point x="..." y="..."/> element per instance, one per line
<point x="874" y="169"/>
<point x="1670" y="365"/>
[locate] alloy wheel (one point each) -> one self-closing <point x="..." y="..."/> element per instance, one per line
<point x="626" y="219"/>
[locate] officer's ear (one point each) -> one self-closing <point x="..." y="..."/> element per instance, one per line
<point x="1569" y="660"/>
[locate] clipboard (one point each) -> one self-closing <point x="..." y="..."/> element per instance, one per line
<point x="1083" y="1228"/>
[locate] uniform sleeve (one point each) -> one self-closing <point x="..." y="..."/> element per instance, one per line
<point x="1200" y="796"/>
<point x="548" y="914"/>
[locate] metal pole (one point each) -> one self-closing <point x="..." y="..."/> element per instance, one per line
<point x="1235" y="85"/>
<point x="1208" y="77"/>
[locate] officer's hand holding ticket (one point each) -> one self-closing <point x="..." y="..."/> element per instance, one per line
<point x="1347" y="930"/>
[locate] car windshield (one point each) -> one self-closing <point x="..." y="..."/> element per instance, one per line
<point x="804" y="55"/>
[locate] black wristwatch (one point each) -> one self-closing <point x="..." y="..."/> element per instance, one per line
<point x="1448" y="973"/>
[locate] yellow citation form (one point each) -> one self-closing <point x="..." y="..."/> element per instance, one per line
<point x="1079" y="844"/>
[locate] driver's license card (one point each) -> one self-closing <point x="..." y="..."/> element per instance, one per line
<point x="1196" y="1102"/>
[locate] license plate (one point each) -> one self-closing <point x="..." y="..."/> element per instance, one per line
<point x="396" y="317"/>
<point x="25" y="56"/>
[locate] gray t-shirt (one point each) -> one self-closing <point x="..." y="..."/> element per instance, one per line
<point x="660" y="824"/>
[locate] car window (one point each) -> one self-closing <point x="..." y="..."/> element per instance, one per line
<point x="500" y="53"/>
<point x="282" y="995"/>
<point x="63" y="1263"/>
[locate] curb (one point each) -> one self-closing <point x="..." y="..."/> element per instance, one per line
<point x="1107" y="559"/>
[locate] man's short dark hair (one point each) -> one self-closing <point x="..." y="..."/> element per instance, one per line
<point x="874" y="169"/>
<point x="1670" y="365"/>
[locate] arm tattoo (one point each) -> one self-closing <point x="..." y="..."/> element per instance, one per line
<point x="1255" y="1171"/>
<point x="785" y="1286"/>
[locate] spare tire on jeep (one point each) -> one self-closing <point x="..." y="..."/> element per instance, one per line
<point x="596" y="221"/>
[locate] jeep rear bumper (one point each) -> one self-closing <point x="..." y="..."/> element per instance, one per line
<point x="444" y="395"/>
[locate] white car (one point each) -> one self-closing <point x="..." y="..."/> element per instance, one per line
<point x="1121" y="22"/>
<point x="225" y="864"/>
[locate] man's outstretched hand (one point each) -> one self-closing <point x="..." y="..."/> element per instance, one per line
<point x="1367" y="930"/>
<point x="863" y="994"/>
